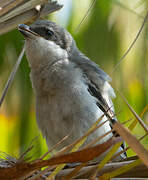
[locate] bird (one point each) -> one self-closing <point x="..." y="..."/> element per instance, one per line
<point x="71" y="91"/>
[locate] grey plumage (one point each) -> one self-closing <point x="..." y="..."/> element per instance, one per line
<point x="71" y="91"/>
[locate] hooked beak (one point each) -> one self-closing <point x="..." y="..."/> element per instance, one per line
<point x="26" y="31"/>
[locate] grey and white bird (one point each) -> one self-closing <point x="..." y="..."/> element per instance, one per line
<point x="71" y="91"/>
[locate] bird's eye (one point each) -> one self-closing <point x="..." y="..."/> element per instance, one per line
<point x="49" y="32"/>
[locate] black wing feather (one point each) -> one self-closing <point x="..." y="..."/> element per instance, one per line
<point x="102" y="104"/>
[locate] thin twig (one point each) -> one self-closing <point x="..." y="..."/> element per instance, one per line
<point x="55" y="146"/>
<point x="11" y="77"/>
<point x="132" y="44"/>
<point x="145" y="127"/>
<point x="30" y="147"/>
<point x="85" y="16"/>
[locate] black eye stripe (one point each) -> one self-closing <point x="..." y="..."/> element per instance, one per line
<point x="43" y="31"/>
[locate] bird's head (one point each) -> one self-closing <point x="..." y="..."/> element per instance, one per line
<point x="46" y="41"/>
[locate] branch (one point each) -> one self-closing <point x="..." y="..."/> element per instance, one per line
<point x="25" y="13"/>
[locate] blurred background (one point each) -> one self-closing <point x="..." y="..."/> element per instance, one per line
<point x="104" y="36"/>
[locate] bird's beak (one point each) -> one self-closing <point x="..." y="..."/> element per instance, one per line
<point x="26" y="31"/>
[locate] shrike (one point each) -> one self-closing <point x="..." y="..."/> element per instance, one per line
<point x="71" y="91"/>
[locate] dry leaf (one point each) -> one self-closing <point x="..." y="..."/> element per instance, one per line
<point x="135" y="145"/>
<point x="22" y="168"/>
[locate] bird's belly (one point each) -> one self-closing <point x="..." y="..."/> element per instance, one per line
<point x="61" y="116"/>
